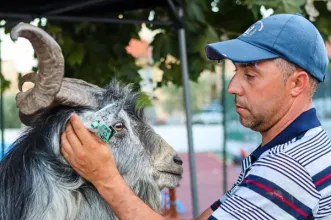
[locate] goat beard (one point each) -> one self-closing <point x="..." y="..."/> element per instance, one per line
<point x="148" y="191"/>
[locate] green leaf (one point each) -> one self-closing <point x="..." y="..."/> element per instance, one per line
<point x="293" y="6"/>
<point x="194" y="12"/>
<point x="11" y="112"/>
<point x="323" y="21"/>
<point x="5" y="84"/>
<point x="53" y="29"/>
<point x="161" y="46"/>
<point x="192" y="27"/>
<point x="279" y="6"/>
<point x="67" y="44"/>
<point x="80" y="27"/>
<point x="143" y="101"/>
<point x="77" y="55"/>
<point x="210" y="36"/>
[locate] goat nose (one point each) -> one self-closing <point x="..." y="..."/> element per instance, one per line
<point x="178" y="160"/>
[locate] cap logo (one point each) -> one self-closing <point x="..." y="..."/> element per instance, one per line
<point x="258" y="26"/>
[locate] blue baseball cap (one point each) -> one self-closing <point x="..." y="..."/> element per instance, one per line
<point x="288" y="36"/>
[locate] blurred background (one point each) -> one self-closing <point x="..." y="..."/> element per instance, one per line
<point x="147" y="53"/>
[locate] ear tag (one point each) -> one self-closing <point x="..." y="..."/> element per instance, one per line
<point x="104" y="132"/>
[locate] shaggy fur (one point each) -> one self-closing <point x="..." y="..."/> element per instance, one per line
<point x="38" y="184"/>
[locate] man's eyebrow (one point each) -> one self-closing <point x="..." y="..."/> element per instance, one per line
<point x="251" y="65"/>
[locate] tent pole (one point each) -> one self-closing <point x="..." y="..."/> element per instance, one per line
<point x="186" y="90"/>
<point x="1" y="111"/>
<point x="225" y="137"/>
<point x="75" y="7"/>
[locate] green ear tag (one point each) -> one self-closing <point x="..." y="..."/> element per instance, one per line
<point x="104" y="132"/>
<point x="95" y="124"/>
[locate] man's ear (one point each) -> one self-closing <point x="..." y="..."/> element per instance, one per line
<point x="299" y="82"/>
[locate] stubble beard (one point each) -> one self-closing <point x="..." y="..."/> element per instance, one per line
<point x="251" y="121"/>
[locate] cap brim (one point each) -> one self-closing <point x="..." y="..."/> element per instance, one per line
<point x="237" y="51"/>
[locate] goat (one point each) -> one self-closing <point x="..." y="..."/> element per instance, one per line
<point x="37" y="183"/>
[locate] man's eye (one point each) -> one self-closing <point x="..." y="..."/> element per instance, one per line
<point x="248" y="75"/>
<point x="119" y="126"/>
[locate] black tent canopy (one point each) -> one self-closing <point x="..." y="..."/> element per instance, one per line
<point x="79" y="7"/>
<point x="78" y="10"/>
<point x="14" y="11"/>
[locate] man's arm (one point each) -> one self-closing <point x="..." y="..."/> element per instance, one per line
<point x="124" y="202"/>
<point x="205" y="215"/>
<point x="128" y="206"/>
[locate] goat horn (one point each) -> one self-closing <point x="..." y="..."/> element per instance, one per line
<point x="51" y="88"/>
<point x="73" y="92"/>
<point x="50" y="69"/>
<point x="85" y="94"/>
<point x="29" y="77"/>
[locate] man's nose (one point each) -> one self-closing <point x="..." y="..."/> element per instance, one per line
<point x="235" y="87"/>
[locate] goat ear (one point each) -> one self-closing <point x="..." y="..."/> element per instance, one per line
<point x="27" y="119"/>
<point x="106" y="115"/>
<point x="111" y="109"/>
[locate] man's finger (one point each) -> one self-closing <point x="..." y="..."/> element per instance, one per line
<point x="72" y="138"/>
<point x="66" y="149"/>
<point x="79" y="128"/>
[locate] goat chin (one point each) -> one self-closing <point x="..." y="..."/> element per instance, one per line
<point x="37" y="184"/>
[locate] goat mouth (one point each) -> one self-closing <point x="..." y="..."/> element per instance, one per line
<point x="173" y="173"/>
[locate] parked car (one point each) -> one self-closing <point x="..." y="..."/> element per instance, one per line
<point x="209" y="114"/>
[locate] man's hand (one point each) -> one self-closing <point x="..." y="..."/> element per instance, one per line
<point x="87" y="154"/>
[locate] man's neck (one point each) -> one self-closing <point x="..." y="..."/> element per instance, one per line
<point x="294" y="111"/>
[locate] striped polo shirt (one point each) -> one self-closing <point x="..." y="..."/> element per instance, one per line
<point x="288" y="178"/>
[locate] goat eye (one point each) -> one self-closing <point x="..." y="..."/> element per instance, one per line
<point x="118" y="126"/>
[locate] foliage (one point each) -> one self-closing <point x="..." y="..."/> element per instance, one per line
<point x="200" y="95"/>
<point x="5" y="84"/>
<point x="11" y="112"/>
<point x="143" y="101"/>
<point x="279" y="6"/>
<point x="322" y="21"/>
<point x="96" y="52"/>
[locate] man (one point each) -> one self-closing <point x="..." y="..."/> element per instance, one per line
<point x="279" y="62"/>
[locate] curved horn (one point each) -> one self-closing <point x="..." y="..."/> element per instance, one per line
<point x="51" y="88"/>
<point x="76" y="92"/>
<point x="50" y="69"/>
<point x="29" y="77"/>
<point x="73" y="92"/>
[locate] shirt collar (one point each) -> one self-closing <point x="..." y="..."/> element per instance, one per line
<point x="307" y="120"/>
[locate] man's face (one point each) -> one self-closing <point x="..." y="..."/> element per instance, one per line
<point x="261" y="95"/>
